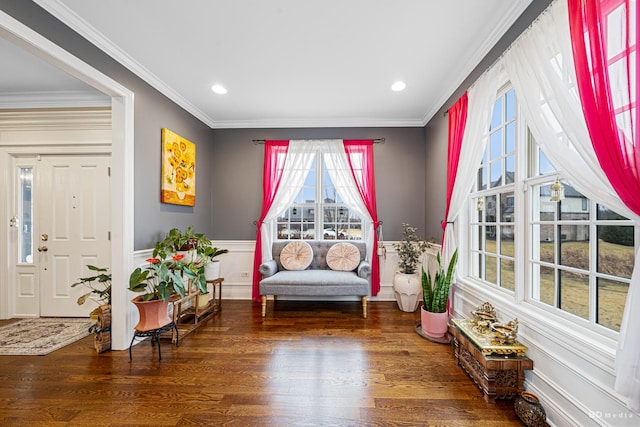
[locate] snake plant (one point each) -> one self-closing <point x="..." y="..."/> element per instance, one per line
<point x="435" y="292"/>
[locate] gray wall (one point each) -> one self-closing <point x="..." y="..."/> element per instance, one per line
<point x="153" y="111"/>
<point x="237" y="176"/>
<point x="436" y="131"/>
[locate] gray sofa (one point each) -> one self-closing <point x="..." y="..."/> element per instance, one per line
<point x="318" y="279"/>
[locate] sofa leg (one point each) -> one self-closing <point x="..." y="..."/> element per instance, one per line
<point x="264" y="305"/>
<point x="364" y="307"/>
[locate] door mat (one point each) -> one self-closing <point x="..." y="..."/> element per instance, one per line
<point x="37" y="337"/>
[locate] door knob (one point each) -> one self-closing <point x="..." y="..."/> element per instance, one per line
<point x="42" y="249"/>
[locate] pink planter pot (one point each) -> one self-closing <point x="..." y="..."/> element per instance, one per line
<point x="434" y="325"/>
<point x="153" y="314"/>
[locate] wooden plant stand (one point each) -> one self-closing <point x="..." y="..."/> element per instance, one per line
<point x="498" y="375"/>
<point x="188" y="314"/>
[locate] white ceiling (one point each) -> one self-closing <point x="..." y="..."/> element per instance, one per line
<point x="292" y="63"/>
<point x="27" y="81"/>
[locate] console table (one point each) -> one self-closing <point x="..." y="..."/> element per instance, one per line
<point x="497" y="369"/>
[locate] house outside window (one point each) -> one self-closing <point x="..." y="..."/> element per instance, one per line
<point x="335" y="220"/>
<point x="578" y="255"/>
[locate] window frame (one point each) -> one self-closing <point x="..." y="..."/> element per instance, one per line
<point x="317" y="209"/>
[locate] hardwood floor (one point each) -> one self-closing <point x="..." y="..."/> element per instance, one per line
<point x="306" y="364"/>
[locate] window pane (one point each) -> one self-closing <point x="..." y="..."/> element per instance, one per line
<point x="506" y="235"/>
<point x="544" y="167"/>
<point x="545" y="291"/>
<point x="507" y="274"/>
<point x="490" y="239"/>
<point x="490" y="207"/>
<point x="612" y="296"/>
<point x="309" y="196"/>
<point x="510" y="138"/>
<point x="572" y="206"/>
<point x="510" y="105"/>
<point x="496" y="117"/>
<point x="25" y="214"/>
<point x="546" y="247"/>
<point x="482" y="178"/>
<point x="495" y="151"/>
<point x="574" y="246"/>
<point x="507" y="202"/>
<point x="492" y="269"/>
<point x="574" y="293"/>
<point x="616" y="254"/>
<point x="547" y="210"/>
<point x="506" y="241"/>
<point x="605" y="213"/>
<point x="478" y="242"/>
<point x="510" y="170"/>
<point x="495" y="169"/>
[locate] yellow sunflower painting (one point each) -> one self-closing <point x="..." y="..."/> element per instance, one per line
<point x="178" y="169"/>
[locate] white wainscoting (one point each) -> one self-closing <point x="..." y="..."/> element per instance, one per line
<point x="237" y="269"/>
<point x="573" y="373"/>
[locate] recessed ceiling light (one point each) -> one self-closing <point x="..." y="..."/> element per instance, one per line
<point x="219" y="89"/>
<point x="398" y="86"/>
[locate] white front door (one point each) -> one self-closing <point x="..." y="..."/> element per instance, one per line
<point x="70" y="211"/>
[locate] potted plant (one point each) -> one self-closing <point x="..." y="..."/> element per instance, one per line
<point x="406" y="282"/>
<point x="99" y="286"/>
<point x="160" y="281"/>
<point x="435" y="296"/>
<point x="212" y="265"/>
<point x="190" y="243"/>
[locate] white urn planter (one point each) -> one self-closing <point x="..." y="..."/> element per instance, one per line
<point x="212" y="270"/>
<point x="407" y="289"/>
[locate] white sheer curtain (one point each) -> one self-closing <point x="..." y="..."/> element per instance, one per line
<point x="481" y="98"/>
<point x="296" y="168"/>
<point x="540" y="67"/>
<point x="340" y="173"/>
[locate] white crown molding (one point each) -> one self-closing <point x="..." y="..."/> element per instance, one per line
<point x="53" y="99"/>
<point x="73" y="21"/>
<point x="315" y="123"/>
<point x="461" y="73"/>
<point x="71" y="119"/>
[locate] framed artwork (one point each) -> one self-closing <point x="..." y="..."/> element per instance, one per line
<point x="178" y="169"/>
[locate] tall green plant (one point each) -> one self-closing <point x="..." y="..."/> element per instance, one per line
<point x="435" y="292"/>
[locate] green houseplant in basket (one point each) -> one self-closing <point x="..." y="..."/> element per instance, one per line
<point x="435" y="295"/>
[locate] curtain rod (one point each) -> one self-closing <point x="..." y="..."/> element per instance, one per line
<point x="375" y="141"/>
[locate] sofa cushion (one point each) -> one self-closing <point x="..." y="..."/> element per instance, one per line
<point x="314" y="283"/>
<point x="296" y="255"/>
<point x="343" y="257"/>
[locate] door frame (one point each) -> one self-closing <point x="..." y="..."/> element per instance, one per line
<point x="122" y="182"/>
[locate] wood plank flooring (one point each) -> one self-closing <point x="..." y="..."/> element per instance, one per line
<point x="306" y="364"/>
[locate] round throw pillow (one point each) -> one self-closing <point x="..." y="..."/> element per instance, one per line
<point x="343" y="257"/>
<point x="296" y="255"/>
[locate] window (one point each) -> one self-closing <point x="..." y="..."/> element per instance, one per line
<point x="493" y="204"/>
<point x="25" y="215"/>
<point x="318" y="195"/>
<point x="579" y="255"/>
